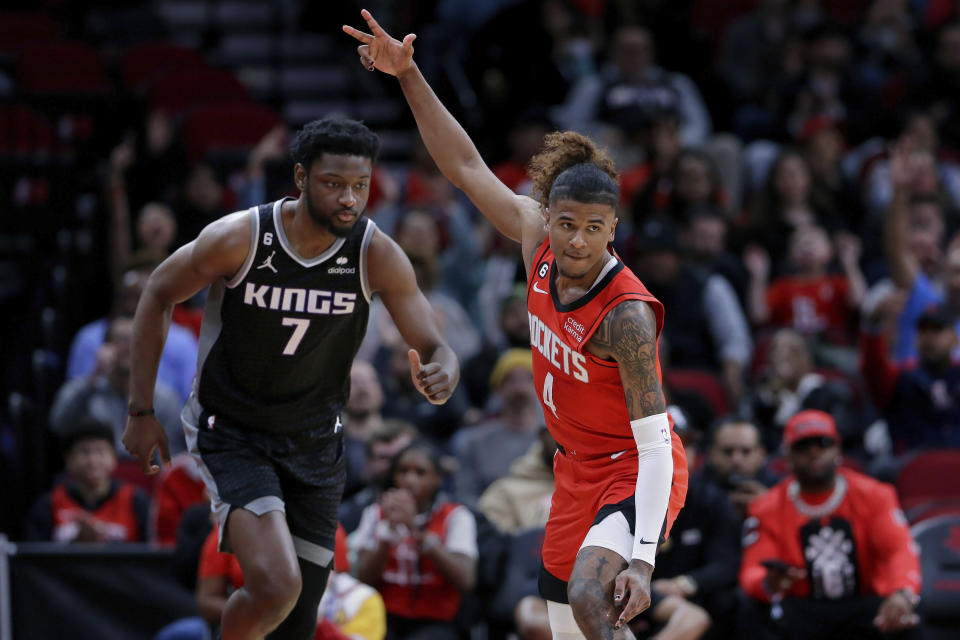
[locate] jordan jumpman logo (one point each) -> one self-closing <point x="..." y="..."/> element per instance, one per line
<point x="268" y="263"/>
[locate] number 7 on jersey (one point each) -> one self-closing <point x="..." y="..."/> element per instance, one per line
<point x="299" y="330"/>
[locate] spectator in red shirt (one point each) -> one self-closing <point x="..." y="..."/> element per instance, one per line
<point x="813" y="301"/>
<point x="418" y="549"/>
<point x="829" y="548"/>
<point x="90" y="506"/>
<point x="178" y="488"/>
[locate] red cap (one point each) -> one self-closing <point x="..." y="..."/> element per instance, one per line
<point x="809" y="424"/>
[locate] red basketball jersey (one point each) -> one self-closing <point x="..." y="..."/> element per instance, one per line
<point x="582" y="395"/>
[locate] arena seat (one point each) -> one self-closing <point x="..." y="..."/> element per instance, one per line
<point x="144" y="62"/>
<point x="19" y="29"/>
<point x="704" y="383"/>
<point x="25" y="131"/>
<point x="929" y="476"/>
<point x="939" y="542"/>
<point x="178" y="90"/>
<point x="61" y="68"/>
<point x="226" y="126"/>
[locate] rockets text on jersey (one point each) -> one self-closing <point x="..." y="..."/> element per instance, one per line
<point x="556" y="351"/>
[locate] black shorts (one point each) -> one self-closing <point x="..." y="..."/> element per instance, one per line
<point x="302" y="475"/>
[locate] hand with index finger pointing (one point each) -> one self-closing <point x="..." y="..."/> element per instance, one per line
<point x="381" y="51"/>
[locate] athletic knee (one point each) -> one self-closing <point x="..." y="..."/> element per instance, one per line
<point x="274" y="589"/>
<point x="583" y="596"/>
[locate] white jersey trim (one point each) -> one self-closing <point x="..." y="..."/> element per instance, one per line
<point x="288" y="248"/>
<point x="364" y="273"/>
<point x="254" y="241"/>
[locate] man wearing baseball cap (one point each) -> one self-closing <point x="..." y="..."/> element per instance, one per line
<point x="828" y="548"/>
<point x="920" y="400"/>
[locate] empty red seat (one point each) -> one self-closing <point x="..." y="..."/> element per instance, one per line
<point x="704" y="383"/>
<point x="61" y="68"/>
<point x="178" y="90"/>
<point x="24" y="131"/>
<point x="144" y="62"/>
<point x="19" y="29"/>
<point x="930" y="477"/>
<point x="939" y="542"/>
<point x="226" y="126"/>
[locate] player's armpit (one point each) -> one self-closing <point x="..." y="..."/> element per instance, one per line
<point x="218" y="252"/>
<point x="628" y="334"/>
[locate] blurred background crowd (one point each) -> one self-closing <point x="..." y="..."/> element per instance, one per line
<point x="790" y="176"/>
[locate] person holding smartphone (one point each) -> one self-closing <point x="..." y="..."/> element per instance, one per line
<point x="829" y="548"/>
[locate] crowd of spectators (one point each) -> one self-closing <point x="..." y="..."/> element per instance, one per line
<point x="790" y="175"/>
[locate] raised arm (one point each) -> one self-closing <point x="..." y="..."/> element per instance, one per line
<point x="628" y="334"/>
<point x="218" y="252"/>
<point x="434" y="366"/>
<point x="448" y="144"/>
<point x="896" y="225"/>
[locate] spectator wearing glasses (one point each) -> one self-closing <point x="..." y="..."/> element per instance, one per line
<point x="828" y="548"/>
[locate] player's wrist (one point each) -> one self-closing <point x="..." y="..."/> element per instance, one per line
<point x="642" y="567"/>
<point x="407" y="72"/>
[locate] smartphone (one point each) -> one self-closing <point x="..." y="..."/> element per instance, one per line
<point x="774" y="564"/>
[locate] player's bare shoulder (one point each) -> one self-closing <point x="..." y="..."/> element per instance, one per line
<point x="387" y="265"/>
<point x="224" y="244"/>
<point x="628" y="335"/>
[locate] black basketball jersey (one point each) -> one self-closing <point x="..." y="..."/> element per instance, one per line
<point x="279" y="338"/>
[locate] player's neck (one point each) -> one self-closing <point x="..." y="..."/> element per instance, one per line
<point x="570" y="288"/>
<point x="307" y="238"/>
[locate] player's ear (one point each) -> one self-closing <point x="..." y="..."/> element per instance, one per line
<point x="613" y="228"/>
<point x="300" y="176"/>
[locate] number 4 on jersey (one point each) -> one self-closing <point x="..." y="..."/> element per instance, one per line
<point x="548" y="394"/>
<point x="299" y="330"/>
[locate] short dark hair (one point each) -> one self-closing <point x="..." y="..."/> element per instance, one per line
<point x="440" y="464"/>
<point x="711" y="437"/>
<point x="585" y="183"/>
<point x="340" y="136"/>
<point x="89" y="429"/>
<point x="389" y="430"/>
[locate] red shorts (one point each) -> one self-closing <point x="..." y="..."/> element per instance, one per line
<point x="583" y="486"/>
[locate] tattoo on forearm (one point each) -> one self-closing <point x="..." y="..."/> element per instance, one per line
<point x="629" y="334"/>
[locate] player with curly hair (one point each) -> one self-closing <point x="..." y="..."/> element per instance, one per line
<point x="620" y="471"/>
